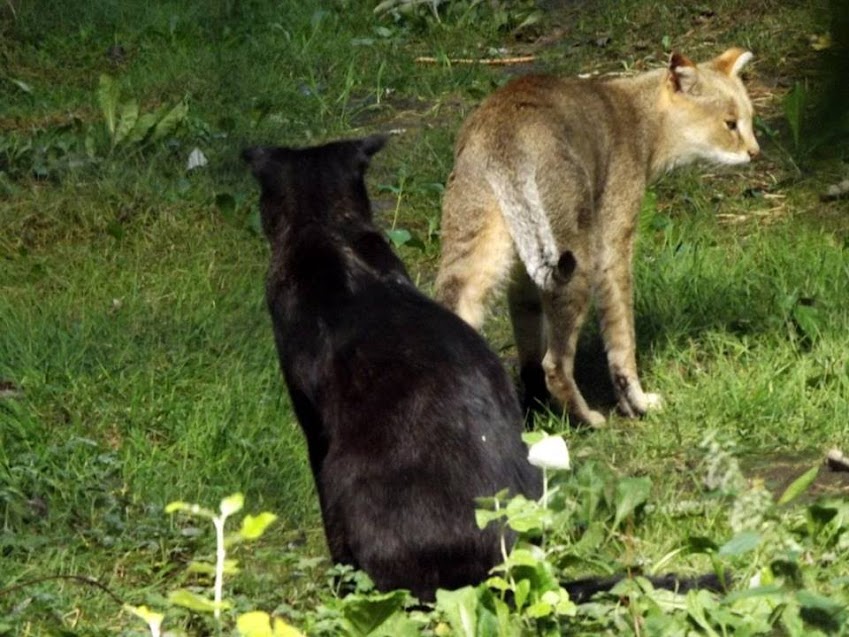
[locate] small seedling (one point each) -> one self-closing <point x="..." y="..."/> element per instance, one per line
<point x="253" y="624"/>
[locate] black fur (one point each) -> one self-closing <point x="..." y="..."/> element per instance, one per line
<point x="582" y="590"/>
<point x="408" y="415"/>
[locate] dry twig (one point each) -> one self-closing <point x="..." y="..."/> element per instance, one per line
<point x="522" y="59"/>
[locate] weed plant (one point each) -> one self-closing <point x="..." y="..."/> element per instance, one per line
<point x="136" y="359"/>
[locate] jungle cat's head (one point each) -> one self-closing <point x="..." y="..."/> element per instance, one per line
<point x="322" y="184"/>
<point x="709" y="114"/>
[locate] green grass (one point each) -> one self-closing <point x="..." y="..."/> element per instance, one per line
<point x="133" y="331"/>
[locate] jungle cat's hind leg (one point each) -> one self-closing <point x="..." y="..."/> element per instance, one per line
<point x="528" y="322"/>
<point x="477" y="250"/>
<point x="565" y="309"/>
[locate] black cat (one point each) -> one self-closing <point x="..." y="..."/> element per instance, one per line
<point x="408" y="415"/>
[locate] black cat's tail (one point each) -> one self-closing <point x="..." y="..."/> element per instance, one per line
<point x="582" y="590"/>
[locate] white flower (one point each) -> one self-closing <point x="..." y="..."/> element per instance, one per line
<point x="549" y="453"/>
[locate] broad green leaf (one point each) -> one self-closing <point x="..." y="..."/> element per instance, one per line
<point x="507" y="622"/>
<point x="169" y="122"/>
<point x="523" y="589"/>
<point x="399" y="624"/>
<point x="144" y="124"/>
<point x="630" y="494"/>
<point x="525" y="557"/>
<point x="528" y="519"/>
<point x="399" y="236"/>
<point x="498" y="583"/>
<point x="493" y="502"/>
<point x="593" y="537"/>
<point x="560" y="602"/>
<point x="743" y="542"/>
<point x="799" y="485"/>
<point x="107" y="98"/>
<point x="460" y="608"/>
<point x="126" y="122"/>
<point x="484" y="517"/>
<point x="232" y="504"/>
<point x="794" y="105"/>
<point x="565" y="607"/>
<point x="696" y="609"/>
<point x="254" y="526"/>
<point x="365" y="613"/>
<point x="792" y="622"/>
<point x="539" y="609"/>
<point x="193" y="601"/>
<point x="524" y="515"/>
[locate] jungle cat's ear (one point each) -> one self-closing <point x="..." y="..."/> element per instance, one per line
<point x="683" y="74"/>
<point x="732" y="61"/>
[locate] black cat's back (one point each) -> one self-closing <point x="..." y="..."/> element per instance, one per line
<point x="430" y="423"/>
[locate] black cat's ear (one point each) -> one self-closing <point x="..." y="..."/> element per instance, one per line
<point x="265" y="163"/>
<point x="255" y="157"/>
<point x="373" y="143"/>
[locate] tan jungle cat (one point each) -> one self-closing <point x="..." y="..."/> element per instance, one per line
<point x="547" y="183"/>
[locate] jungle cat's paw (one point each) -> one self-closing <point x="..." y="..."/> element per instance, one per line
<point x="594" y="419"/>
<point x="634" y="402"/>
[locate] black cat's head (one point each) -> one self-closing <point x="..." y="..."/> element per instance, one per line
<point x="321" y="183"/>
